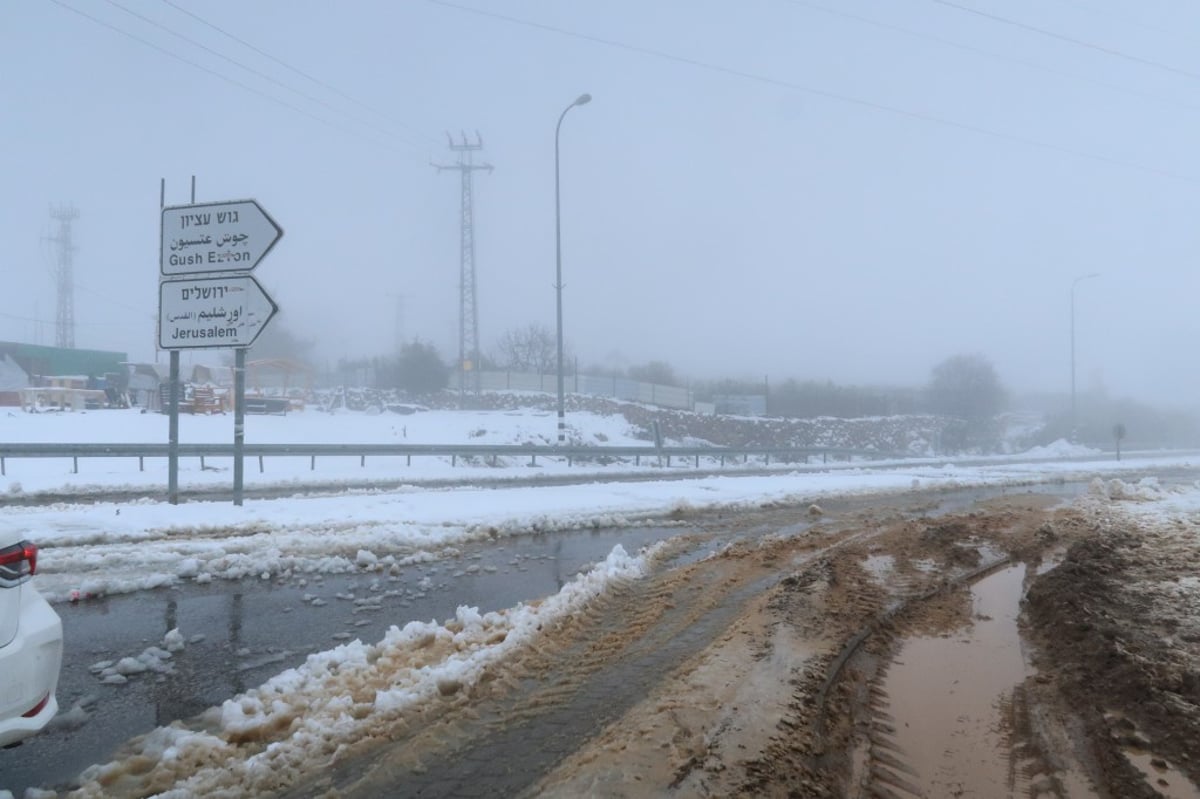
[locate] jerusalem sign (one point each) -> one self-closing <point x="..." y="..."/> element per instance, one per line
<point x="196" y="313"/>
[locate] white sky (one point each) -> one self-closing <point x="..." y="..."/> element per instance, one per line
<point x="858" y="194"/>
<point x="362" y="531"/>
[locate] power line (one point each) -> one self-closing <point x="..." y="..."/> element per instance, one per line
<point x="251" y="70"/>
<point x="1096" y="12"/>
<point x="1071" y="40"/>
<point x="990" y="54"/>
<point x="226" y="78"/>
<point x="300" y="72"/>
<point x="824" y="93"/>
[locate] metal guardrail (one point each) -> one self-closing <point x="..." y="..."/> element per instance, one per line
<point x="488" y="452"/>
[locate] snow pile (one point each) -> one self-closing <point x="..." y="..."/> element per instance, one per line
<point x="156" y="659"/>
<point x="266" y="738"/>
<point x="1061" y="449"/>
<point x="1148" y="489"/>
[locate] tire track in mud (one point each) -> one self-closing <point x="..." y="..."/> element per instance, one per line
<point x="842" y="738"/>
<point x="539" y="706"/>
<point x="587" y="672"/>
<point x="543" y="706"/>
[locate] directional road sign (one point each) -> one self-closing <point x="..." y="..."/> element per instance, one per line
<point x="212" y="312"/>
<point x="231" y="236"/>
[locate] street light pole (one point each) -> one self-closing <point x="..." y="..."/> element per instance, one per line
<point x="582" y="99"/>
<point x="1074" y="408"/>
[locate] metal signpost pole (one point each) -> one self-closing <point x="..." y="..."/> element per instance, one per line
<point x="239" y="420"/>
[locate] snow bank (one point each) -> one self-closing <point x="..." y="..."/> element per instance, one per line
<point x="268" y="737"/>
<point x="1062" y="449"/>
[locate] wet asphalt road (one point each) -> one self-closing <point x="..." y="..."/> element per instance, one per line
<point x="241" y="634"/>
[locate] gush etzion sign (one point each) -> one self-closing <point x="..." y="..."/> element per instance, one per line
<point x="230" y="236"/>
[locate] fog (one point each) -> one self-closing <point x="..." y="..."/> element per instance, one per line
<point x="846" y="190"/>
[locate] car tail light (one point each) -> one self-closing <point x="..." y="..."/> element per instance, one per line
<point x="33" y="711"/>
<point x="17" y="562"/>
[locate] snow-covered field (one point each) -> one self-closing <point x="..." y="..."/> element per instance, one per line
<point x="104" y="548"/>
<point x="116" y="547"/>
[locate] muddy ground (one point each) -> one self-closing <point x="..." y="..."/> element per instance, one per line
<point x="1021" y="648"/>
<point x="1025" y="646"/>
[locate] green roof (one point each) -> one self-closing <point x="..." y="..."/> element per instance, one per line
<point x="56" y="361"/>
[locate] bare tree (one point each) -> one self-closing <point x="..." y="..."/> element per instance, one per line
<point x="967" y="388"/>
<point x="532" y="348"/>
<point x="659" y="372"/>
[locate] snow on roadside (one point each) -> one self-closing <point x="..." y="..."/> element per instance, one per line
<point x="270" y="736"/>
<point x="1167" y="519"/>
<point x="110" y="548"/>
<point x="1061" y="449"/>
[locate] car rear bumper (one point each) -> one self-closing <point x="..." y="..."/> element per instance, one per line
<point x="29" y="667"/>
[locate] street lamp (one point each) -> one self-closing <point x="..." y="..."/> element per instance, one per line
<point x="1074" y="411"/>
<point x="582" y="99"/>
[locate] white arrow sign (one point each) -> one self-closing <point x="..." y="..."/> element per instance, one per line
<point x="231" y="236"/>
<point x="212" y="312"/>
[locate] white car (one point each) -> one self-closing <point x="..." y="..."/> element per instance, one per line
<point x="31" y="644"/>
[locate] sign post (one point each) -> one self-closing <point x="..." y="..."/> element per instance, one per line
<point x="206" y="296"/>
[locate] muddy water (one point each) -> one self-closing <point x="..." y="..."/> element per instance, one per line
<point x="1167" y="780"/>
<point x="950" y="698"/>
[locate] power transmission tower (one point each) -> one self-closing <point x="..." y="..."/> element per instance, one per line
<point x="64" y="275"/>
<point x="468" y="310"/>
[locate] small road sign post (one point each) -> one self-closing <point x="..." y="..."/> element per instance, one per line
<point x="206" y="296"/>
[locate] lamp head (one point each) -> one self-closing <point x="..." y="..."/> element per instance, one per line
<point x="583" y="99"/>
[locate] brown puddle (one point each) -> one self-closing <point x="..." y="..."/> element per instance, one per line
<point x="949" y="703"/>
<point x="1167" y="780"/>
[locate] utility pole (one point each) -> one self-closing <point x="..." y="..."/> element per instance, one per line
<point x="468" y="310"/>
<point x="399" y="321"/>
<point x="64" y="276"/>
<point x="1074" y="406"/>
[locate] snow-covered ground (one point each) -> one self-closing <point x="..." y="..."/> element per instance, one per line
<point x="104" y="548"/>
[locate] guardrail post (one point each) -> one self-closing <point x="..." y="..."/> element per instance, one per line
<point x="312" y="464"/>
<point x="410" y="460"/>
<point x="697" y="461"/>
<point x="362" y="461"/>
<point x="141" y="463"/>
<point x="75" y="461"/>
<point x="453" y="460"/>
<point x="722" y="460"/>
<point x="260" y="464"/>
<point x="2" y="472"/>
<point x="824" y="457"/>
<point x="201" y="463"/>
<point x="766" y="459"/>
<point x="533" y="460"/>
